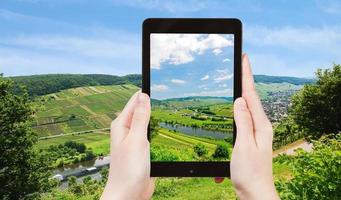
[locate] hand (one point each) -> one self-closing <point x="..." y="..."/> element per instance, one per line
<point x="251" y="162"/>
<point x="129" y="173"/>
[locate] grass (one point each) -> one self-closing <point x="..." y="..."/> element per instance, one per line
<point x="204" y="188"/>
<point x="188" y="139"/>
<point x="99" y="142"/>
<point x="182" y="145"/>
<point x="192" y="189"/>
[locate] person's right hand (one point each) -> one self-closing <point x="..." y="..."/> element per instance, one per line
<point x="251" y="162"/>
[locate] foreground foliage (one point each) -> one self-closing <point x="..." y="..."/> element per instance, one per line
<point x="317" y="107"/>
<point x="24" y="172"/>
<point x="315" y="175"/>
<point x="68" y="153"/>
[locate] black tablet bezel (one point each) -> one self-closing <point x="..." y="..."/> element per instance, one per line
<point x="178" y="25"/>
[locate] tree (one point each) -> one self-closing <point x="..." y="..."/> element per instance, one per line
<point x="24" y="172"/>
<point x="200" y="149"/>
<point x="153" y="127"/>
<point x="286" y="132"/>
<point x="315" y="175"/>
<point x="221" y="151"/>
<point x="80" y="147"/>
<point x="316" y="109"/>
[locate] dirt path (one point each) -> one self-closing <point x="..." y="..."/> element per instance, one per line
<point x="290" y="148"/>
<point x="174" y="139"/>
<point x="101" y="130"/>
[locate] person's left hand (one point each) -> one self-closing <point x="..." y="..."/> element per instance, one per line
<point x="129" y="173"/>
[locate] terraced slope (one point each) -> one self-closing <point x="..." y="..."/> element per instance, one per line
<point x="80" y="109"/>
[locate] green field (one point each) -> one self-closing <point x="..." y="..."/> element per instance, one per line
<point x="99" y="142"/>
<point x="80" y="109"/>
<point x="210" y="113"/>
<point x="196" y="113"/>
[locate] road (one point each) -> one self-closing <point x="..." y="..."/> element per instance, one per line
<point x="290" y="148"/>
<point x="74" y="133"/>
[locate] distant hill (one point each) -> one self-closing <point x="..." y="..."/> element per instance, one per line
<point x="38" y="85"/>
<point x="191" y="101"/>
<point x="282" y="79"/>
<point x="194" y="98"/>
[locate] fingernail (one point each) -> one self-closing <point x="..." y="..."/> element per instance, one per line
<point x="143" y="98"/>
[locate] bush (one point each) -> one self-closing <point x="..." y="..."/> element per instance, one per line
<point x="316" y="175"/>
<point x="158" y="153"/>
<point x="200" y="149"/>
<point x="80" y="147"/>
<point x="221" y="151"/>
<point x="89" y="154"/>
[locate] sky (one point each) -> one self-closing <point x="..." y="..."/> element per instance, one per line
<point x="287" y="38"/>
<point x="185" y="65"/>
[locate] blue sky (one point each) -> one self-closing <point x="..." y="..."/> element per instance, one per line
<point x="191" y="65"/>
<point x="291" y="38"/>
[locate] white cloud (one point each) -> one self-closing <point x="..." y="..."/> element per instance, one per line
<point x="178" y="81"/>
<point x="206" y="77"/>
<point x="222" y="75"/>
<point x="299" y="50"/>
<point x="223" y="85"/>
<point x="226" y="60"/>
<point x="220" y="93"/>
<point x="86" y="46"/>
<point x="178" y="49"/>
<point x="159" y="88"/>
<point x="61" y="47"/>
<point x="217" y="51"/>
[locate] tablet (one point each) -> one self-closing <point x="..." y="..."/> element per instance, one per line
<point x="192" y="72"/>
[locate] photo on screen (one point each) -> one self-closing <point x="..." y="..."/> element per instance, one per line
<point x="191" y="81"/>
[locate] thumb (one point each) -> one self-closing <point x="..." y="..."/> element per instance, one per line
<point x="243" y="122"/>
<point x="140" y="119"/>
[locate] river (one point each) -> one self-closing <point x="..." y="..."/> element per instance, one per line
<point x="87" y="168"/>
<point x="90" y="168"/>
<point x="198" y="132"/>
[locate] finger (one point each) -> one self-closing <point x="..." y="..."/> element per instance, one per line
<point x="141" y="116"/>
<point x="126" y="115"/>
<point x="120" y="126"/>
<point x="261" y="123"/>
<point x="218" y="179"/>
<point x="149" y="190"/>
<point x="244" y="124"/>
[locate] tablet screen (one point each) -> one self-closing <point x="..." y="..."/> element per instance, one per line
<point x="191" y="80"/>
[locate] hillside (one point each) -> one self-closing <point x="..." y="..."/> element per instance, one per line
<point x="191" y="101"/>
<point x="80" y="109"/>
<point x="266" y="90"/>
<point x="94" y="106"/>
<point x="38" y="85"/>
<point x="282" y="79"/>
